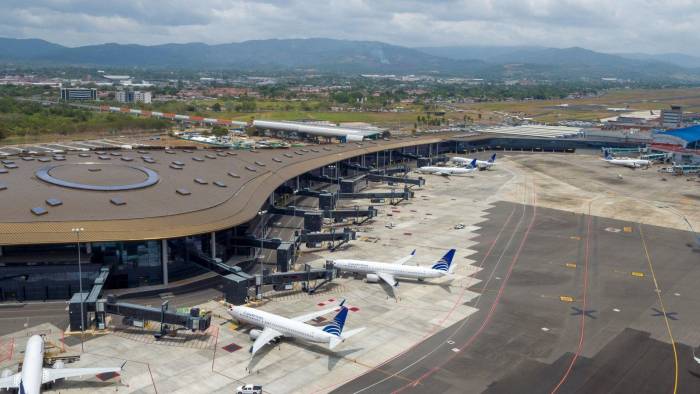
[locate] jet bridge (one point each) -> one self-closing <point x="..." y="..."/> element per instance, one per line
<point x="92" y="305"/>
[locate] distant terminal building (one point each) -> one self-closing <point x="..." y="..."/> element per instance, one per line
<point x="672" y="118"/>
<point x="78" y="94"/>
<point x="683" y="143"/>
<point x="129" y="96"/>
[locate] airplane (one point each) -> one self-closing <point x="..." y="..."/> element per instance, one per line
<point x="276" y="327"/>
<point x="482" y="164"/>
<point x="388" y="272"/>
<point x="626" y="162"/>
<point x="34" y="375"/>
<point x="447" y="171"/>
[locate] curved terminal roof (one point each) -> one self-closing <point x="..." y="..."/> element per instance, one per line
<point x="194" y="191"/>
<point x="686" y="136"/>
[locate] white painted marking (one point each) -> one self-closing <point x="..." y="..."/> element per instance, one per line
<point x="498" y="278"/>
<point x="616" y="310"/>
<point x="456" y="350"/>
<point x="545" y="329"/>
<point x="677" y="294"/>
<point x="450" y="342"/>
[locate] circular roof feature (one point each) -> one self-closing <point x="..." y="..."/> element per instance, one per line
<point x="110" y="177"/>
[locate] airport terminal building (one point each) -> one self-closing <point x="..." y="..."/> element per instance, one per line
<point x="154" y="216"/>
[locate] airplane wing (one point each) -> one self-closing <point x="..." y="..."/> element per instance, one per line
<point x="10" y="382"/>
<point x="388" y="278"/>
<point x="313" y="315"/>
<point x="267" y="335"/>
<point x="52" y="374"/>
<point x="403" y="260"/>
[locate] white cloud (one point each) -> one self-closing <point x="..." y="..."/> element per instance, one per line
<point x="613" y="26"/>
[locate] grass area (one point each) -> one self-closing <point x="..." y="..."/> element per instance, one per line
<point x="635" y="99"/>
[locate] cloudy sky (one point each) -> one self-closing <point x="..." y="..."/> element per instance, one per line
<point x="654" y="26"/>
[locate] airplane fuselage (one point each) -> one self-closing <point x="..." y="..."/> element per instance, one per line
<point x="32" y="367"/>
<point x="398" y="271"/>
<point x="445" y="170"/>
<point x="479" y="163"/>
<point x="631" y="163"/>
<point x="287" y="327"/>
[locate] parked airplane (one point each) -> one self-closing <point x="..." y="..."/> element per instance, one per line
<point x="276" y="327"/>
<point x="447" y="171"/>
<point x="388" y="272"/>
<point x="481" y="164"/>
<point x="626" y="162"/>
<point x="34" y="375"/>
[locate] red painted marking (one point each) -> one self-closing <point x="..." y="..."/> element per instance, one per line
<point x="583" y="315"/>
<point x="491" y="312"/>
<point x="232" y="347"/>
<point x="436" y="327"/>
<point x="321" y="304"/>
<point x="107" y="375"/>
<point x="354" y="309"/>
<point x="331" y="300"/>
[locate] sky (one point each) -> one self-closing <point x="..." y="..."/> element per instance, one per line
<point x="652" y="26"/>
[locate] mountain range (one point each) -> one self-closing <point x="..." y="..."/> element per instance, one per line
<point x="344" y="56"/>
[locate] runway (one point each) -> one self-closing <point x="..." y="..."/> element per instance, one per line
<point x="533" y="330"/>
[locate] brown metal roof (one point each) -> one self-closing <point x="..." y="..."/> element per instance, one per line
<point x="229" y="191"/>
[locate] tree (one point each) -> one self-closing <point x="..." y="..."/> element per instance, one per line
<point x="219" y="130"/>
<point x="216" y="107"/>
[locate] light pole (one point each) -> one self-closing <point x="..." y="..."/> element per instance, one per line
<point x="262" y="239"/>
<point x="77" y="232"/>
<point x="262" y="270"/>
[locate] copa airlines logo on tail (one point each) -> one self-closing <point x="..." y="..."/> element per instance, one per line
<point x="445" y="262"/>
<point x="336" y="327"/>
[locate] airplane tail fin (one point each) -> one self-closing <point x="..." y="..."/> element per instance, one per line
<point x="473" y="164"/>
<point x="607" y="155"/>
<point x="445" y="262"/>
<point x="336" y="326"/>
<point x="493" y="158"/>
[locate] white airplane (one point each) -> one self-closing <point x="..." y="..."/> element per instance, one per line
<point x="447" y="171"/>
<point x="276" y="327"/>
<point x="626" y="162"/>
<point x="388" y="272"/>
<point x="34" y="375"/>
<point x="482" y="164"/>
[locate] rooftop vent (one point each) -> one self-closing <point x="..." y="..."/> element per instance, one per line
<point x="200" y="181"/>
<point x="59" y="158"/>
<point x="276" y="159"/>
<point x="149" y="160"/>
<point x="187" y="151"/>
<point x="169" y="151"/>
<point x="54" y="202"/>
<point x="28" y="158"/>
<point x="175" y="167"/>
<point x="3" y="186"/>
<point x="232" y="153"/>
<point x="219" y="184"/>
<point x="104" y="157"/>
<point x="126" y="158"/>
<point x="197" y="159"/>
<point x="178" y="163"/>
<point x="210" y="156"/>
<point x="115" y="154"/>
<point x="38" y="211"/>
<point x="249" y="168"/>
<point x="3" y="171"/>
<point x="233" y="175"/>
<point x="117" y="201"/>
<point x="288" y="155"/>
<point x="44" y="159"/>
<point x="183" y="192"/>
<point x="84" y="154"/>
<point x="260" y="163"/>
<point x="11" y="166"/>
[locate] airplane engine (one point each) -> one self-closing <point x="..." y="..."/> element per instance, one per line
<point x="372" y="278"/>
<point x="6" y="373"/>
<point x="254" y="334"/>
<point x="58" y="365"/>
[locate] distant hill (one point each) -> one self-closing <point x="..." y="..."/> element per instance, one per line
<point x="679" y="59"/>
<point x="571" y="62"/>
<point x="354" y="57"/>
<point x="318" y="53"/>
